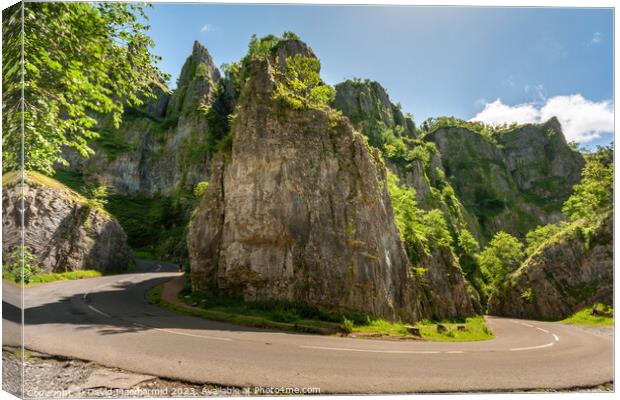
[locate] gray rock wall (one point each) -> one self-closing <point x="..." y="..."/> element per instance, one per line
<point x="61" y="230"/>
<point x="299" y="211"/>
<point x="563" y="277"/>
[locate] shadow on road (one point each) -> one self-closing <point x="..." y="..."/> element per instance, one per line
<point x="120" y="308"/>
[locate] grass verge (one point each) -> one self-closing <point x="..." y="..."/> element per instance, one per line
<point x="587" y="317"/>
<point x="471" y="329"/>
<point x="154" y="296"/>
<point x="300" y="318"/>
<point x="38" y="279"/>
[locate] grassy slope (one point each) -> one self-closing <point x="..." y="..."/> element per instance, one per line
<point x="585" y="317"/>
<point x="34" y="178"/>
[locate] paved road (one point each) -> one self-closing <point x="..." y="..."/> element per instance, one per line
<point x="108" y="321"/>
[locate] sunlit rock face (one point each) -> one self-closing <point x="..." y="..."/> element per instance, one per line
<point x="298" y="210"/>
<point x="574" y="271"/>
<point x="164" y="146"/>
<point x="61" y="230"/>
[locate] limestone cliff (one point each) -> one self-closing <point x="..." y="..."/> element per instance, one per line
<point x="298" y="210"/>
<point x="574" y="270"/>
<point x="514" y="182"/>
<point x="370" y="110"/>
<point x="164" y="146"/>
<point x="62" y="231"/>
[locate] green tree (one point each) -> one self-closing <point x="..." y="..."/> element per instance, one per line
<point x="466" y="242"/>
<point x="500" y="257"/>
<point x="300" y="86"/>
<point x="200" y="188"/>
<point x="421" y="231"/>
<point x="539" y="235"/>
<point x="16" y="265"/>
<point x="81" y="60"/>
<point x="594" y="193"/>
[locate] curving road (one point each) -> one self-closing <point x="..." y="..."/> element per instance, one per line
<point x="107" y="320"/>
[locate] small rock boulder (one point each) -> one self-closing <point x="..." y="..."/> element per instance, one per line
<point x="412" y="330"/>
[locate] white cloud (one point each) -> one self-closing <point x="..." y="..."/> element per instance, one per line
<point x="207" y="28"/>
<point x="496" y="113"/>
<point x="596" y="38"/>
<point x="582" y="120"/>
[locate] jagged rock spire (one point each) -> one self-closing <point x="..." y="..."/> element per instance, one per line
<point x="196" y="83"/>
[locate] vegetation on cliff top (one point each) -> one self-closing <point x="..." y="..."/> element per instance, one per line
<point x="300" y="85"/>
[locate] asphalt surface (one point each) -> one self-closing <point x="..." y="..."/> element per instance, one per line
<point x="107" y="320"/>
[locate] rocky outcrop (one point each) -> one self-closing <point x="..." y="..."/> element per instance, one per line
<point x="298" y="210"/>
<point x="62" y="231"/>
<point x="573" y="271"/>
<point x="368" y="107"/>
<point x="514" y="184"/>
<point x="164" y="146"/>
<point x="541" y="163"/>
<point x="196" y="84"/>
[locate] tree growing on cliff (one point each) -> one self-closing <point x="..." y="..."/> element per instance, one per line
<point x="594" y="193"/>
<point x="300" y="86"/>
<point x="540" y="235"/>
<point x="500" y="257"/>
<point x="421" y="231"/>
<point x="80" y="60"/>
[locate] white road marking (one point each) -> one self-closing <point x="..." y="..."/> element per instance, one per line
<point x="542" y="346"/>
<point x="557" y="339"/>
<point x="182" y="333"/>
<point x="455" y="352"/>
<point x="542" y="330"/>
<point x="95" y="288"/>
<point x="99" y="311"/>
<point x="370" y="351"/>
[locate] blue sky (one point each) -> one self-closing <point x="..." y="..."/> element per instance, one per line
<point x="486" y="63"/>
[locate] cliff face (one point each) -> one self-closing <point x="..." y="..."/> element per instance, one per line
<point x="573" y="271"/>
<point x="541" y="163"/>
<point x="298" y="210"/>
<point x="164" y="146"/>
<point x="513" y="185"/>
<point x="368" y="107"/>
<point x="61" y="230"/>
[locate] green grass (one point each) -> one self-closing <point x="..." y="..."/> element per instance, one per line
<point x="297" y="317"/>
<point x="475" y="330"/>
<point x="585" y="317"/>
<point x="273" y="311"/>
<point x="381" y="327"/>
<point x="37" y="179"/>
<point x="255" y="319"/>
<point x="53" y="277"/>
